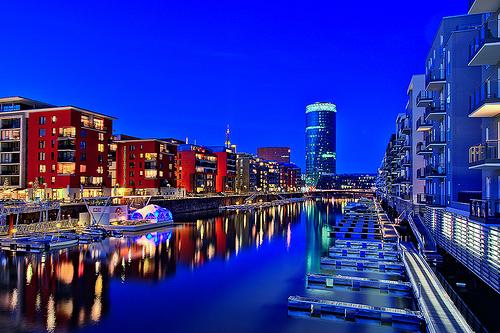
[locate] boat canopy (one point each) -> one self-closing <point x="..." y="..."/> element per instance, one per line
<point x="152" y="212"/>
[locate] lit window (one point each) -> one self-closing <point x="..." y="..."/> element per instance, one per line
<point x="54" y="119"/>
<point x="100" y="147"/>
<point x="42" y="168"/>
<point x="83" y="168"/>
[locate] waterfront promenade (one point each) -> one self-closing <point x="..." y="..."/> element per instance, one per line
<point x="440" y="312"/>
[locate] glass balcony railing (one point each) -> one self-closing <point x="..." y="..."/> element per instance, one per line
<point x="488" y="92"/>
<point x="424" y="98"/>
<point x="422" y="148"/>
<point x="434" y="138"/>
<point x="423" y="125"/>
<point x="484" y="153"/>
<point x="485" y="35"/>
<point x="435" y="171"/>
<point x="435" y="79"/>
<point x="430" y="199"/>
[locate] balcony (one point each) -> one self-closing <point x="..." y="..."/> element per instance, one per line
<point x="436" y="111"/>
<point x="483" y="6"/>
<point x="422" y="149"/>
<point x="485" y="210"/>
<point x="424" y="99"/>
<point x="423" y="125"/>
<point x="430" y="200"/>
<point x="406" y="127"/>
<point x="435" y="81"/>
<point x="435" y="139"/>
<point x="485" y="47"/>
<point x="435" y="171"/>
<point x="484" y="155"/>
<point x="485" y="102"/>
<point x="406" y="161"/>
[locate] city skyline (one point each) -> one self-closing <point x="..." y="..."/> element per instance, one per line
<point x="163" y="60"/>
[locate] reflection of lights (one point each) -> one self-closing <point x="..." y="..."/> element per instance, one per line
<point x="288" y="236"/>
<point x="210" y="251"/>
<point x="29" y="274"/>
<point x="65" y="307"/>
<point x="38" y="301"/>
<point x="97" y="267"/>
<point x="51" y="314"/>
<point x="13" y="300"/>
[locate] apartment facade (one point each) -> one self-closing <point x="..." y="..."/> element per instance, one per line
<point x="54" y="152"/>
<point x="196" y="169"/>
<point x="246" y="173"/>
<point x="448" y="131"/>
<point x="226" y="169"/>
<point x="145" y="166"/>
<point x="484" y="103"/>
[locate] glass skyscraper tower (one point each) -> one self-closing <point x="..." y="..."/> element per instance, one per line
<point x="321" y="145"/>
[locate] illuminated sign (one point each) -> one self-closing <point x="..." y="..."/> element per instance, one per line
<point x="9" y="108"/>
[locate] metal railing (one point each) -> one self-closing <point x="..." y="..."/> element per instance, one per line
<point x="483" y="152"/>
<point x="466" y="312"/>
<point x="485" y="208"/>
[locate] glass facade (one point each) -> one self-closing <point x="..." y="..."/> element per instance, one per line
<point x="321" y="145"/>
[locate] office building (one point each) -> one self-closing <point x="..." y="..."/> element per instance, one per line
<point x="321" y="147"/>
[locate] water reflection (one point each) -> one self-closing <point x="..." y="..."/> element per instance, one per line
<point x="64" y="290"/>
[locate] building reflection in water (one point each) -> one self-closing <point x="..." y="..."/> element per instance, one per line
<point x="70" y="288"/>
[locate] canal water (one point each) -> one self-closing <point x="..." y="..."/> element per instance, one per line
<point x="224" y="272"/>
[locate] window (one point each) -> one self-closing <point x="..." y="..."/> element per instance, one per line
<point x="83" y="157"/>
<point x="141" y="173"/>
<point x="99" y="158"/>
<point x="41" y="156"/>
<point x="83" y="168"/>
<point x="54" y="131"/>
<point x="131" y="174"/>
<point x="161" y="173"/>
<point x="100" y="170"/>
<point x="41" y="144"/>
<point x="53" y="143"/>
<point x="41" y="120"/>
<point x="53" y="180"/>
<point x="100" y="148"/>
<point x="54" y="119"/>
<point x="53" y="167"/>
<point x="42" y="168"/>
<point x="83" y="145"/>
<point x="150" y="173"/>
<point x="66" y="168"/>
<point x="101" y="136"/>
<point x="41" y="132"/>
<point x="83" y="133"/>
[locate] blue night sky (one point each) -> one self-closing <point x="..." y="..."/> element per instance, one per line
<point x="187" y="68"/>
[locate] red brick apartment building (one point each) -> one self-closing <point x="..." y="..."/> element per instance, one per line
<point x="58" y="152"/>
<point x="226" y="169"/>
<point x="145" y="166"/>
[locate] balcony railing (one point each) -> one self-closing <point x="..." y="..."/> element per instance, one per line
<point x="430" y="199"/>
<point x="487" y="210"/>
<point x="435" y="171"/>
<point x="435" y="111"/>
<point x="485" y="35"/>
<point x="421" y="173"/>
<point x="422" y="149"/>
<point x="423" y="125"/>
<point x="435" y="138"/>
<point x="424" y="98"/>
<point x="484" y="153"/>
<point x="488" y="92"/>
<point x="435" y="79"/>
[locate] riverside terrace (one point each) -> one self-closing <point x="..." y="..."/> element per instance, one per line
<point x="366" y="255"/>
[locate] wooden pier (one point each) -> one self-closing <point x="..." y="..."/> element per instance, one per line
<point x="328" y="281"/>
<point x="352" y="311"/>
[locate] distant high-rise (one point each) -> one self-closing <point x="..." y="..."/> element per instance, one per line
<point x="278" y="154"/>
<point x="321" y="145"/>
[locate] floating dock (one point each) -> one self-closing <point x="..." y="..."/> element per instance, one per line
<point x="365" y="244"/>
<point x="362" y="264"/>
<point x="362" y="253"/>
<point x="328" y="281"/>
<point x="352" y="311"/>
